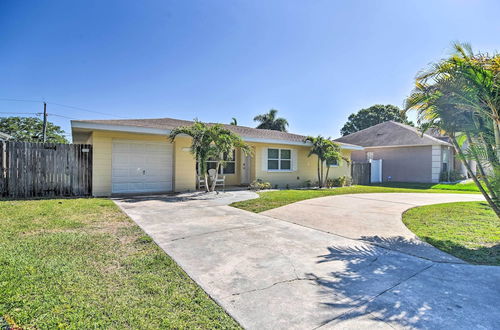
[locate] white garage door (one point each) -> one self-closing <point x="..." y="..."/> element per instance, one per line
<point x="141" y="167"/>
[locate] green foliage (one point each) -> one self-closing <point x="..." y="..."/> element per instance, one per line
<point x="341" y="181"/>
<point x="373" y="115"/>
<point x="450" y="176"/>
<point x="467" y="230"/>
<point x="83" y="264"/>
<point x="260" y="184"/>
<point x="233" y="122"/>
<point x="210" y="142"/>
<point x="328" y="152"/>
<point x="29" y="129"/>
<point x="271" y="199"/>
<point x="269" y="121"/>
<point x="460" y="96"/>
<point x="460" y="186"/>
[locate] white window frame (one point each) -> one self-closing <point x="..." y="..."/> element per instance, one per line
<point x="279" y="159"/>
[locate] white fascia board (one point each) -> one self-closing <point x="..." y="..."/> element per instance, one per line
<point x="350" y="147"/>
<point x="273" y="141"/>
<point x="158" y="131"/>
<point x="296" y="143"/>
<point x="119" y="128"/>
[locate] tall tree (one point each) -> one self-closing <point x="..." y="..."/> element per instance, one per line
<point x="327" y="152"/>
<point x="373" y="115"/>
<point x="29" y="129"/>
<point x="270" y="121"/>
<point x="210" y="142"/>
<point x="234" y="121"/>
<point x="461" y="96"/>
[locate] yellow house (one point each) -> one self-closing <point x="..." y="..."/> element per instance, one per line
<point x="136" y="156"/>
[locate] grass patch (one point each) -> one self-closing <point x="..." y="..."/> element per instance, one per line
<point x="467" y="230"/>
<point x="81" y="263"/>
<point x="272" y="199"/>
<point x="467" y="186"/>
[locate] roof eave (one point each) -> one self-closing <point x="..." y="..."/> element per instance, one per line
<point x="84" y="125"/>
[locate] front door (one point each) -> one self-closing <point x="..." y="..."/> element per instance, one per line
<point x="246" y="160"/>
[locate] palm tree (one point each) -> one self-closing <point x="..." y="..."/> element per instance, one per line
<point x="457" y="95"/>
<point x="223" y="143"/>
<point x="210" y="142"/>
<point x="233" y="122"/>
<point x="327" y="152"/>
<point x="269" y="121"/>
<point x="201" y="140"/>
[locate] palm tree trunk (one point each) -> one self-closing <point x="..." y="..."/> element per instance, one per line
<point x="326" y="177"/>
<point x="205" y="176"/>
<point x="496" y="129"/>
<point x="495" y="207"/>
<point x="481" y="170"/>
<point x="214" y="179"/>
<point x="319" y="175"/>
<point x="322" y="172"/>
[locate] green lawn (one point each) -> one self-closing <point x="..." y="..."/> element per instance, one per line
<point x="81" y="263"/>
<point x="468" y="230"/>
<point x="467" y="186"/>
<point x="272" y="199"/>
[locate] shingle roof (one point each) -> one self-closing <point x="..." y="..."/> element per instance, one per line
<point x="390" y="133"/>
<point x="170" y="123"/>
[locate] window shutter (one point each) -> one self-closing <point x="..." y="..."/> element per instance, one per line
<point x="294" y="160"/>
<point x="264" y="159"/>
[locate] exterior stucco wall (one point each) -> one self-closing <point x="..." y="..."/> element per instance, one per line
<point x="306" y="167"/>
<point x="184" y="164"/>
<point x="403" y="164"/>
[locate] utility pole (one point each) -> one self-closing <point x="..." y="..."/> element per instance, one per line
<point x="44" y="132"/>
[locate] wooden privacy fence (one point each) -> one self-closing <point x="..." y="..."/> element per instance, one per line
<point x="45" y="169"/>
<point x="361" y="173"/>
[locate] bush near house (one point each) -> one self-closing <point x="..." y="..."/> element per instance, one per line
<point x="260" y="184"/>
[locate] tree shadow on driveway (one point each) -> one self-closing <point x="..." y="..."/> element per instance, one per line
<point x="404" y="291"/>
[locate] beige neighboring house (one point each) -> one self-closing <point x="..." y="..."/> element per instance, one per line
<point x="406" y="154"/>
<point x="136" y="156"/>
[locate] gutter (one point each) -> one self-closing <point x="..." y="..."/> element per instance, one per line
<point x="158" y="131"/>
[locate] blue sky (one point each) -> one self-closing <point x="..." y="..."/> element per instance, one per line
<point x="314" y="61"/>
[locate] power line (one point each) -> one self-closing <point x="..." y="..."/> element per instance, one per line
<point x="19" y="100"/>
<point x="22" y="113"/>
<point x="61" y="105"/>
<point x="83" y="109"/>
<point x="54" y="114"/>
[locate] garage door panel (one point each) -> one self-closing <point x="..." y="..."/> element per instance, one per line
<point x="121" y="147"/>
<point x="141" y="166"/>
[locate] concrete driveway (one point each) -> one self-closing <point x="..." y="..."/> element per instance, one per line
<point x="272" y="274"/>
<point x="375" y="218"/>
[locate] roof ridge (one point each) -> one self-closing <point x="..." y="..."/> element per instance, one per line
<point x="412" y="128"/>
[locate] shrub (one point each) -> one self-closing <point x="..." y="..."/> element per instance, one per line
<point x="259" y="184"/>
<point x="341" y="181"/>
<point x="450" y="176"/>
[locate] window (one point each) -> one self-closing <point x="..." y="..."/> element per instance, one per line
<point x="332" y="163"/>
<point x="228" y="168"/>
<point x="279" y="159"/>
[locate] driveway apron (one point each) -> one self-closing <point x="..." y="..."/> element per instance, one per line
<point x="272" y="274"/>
